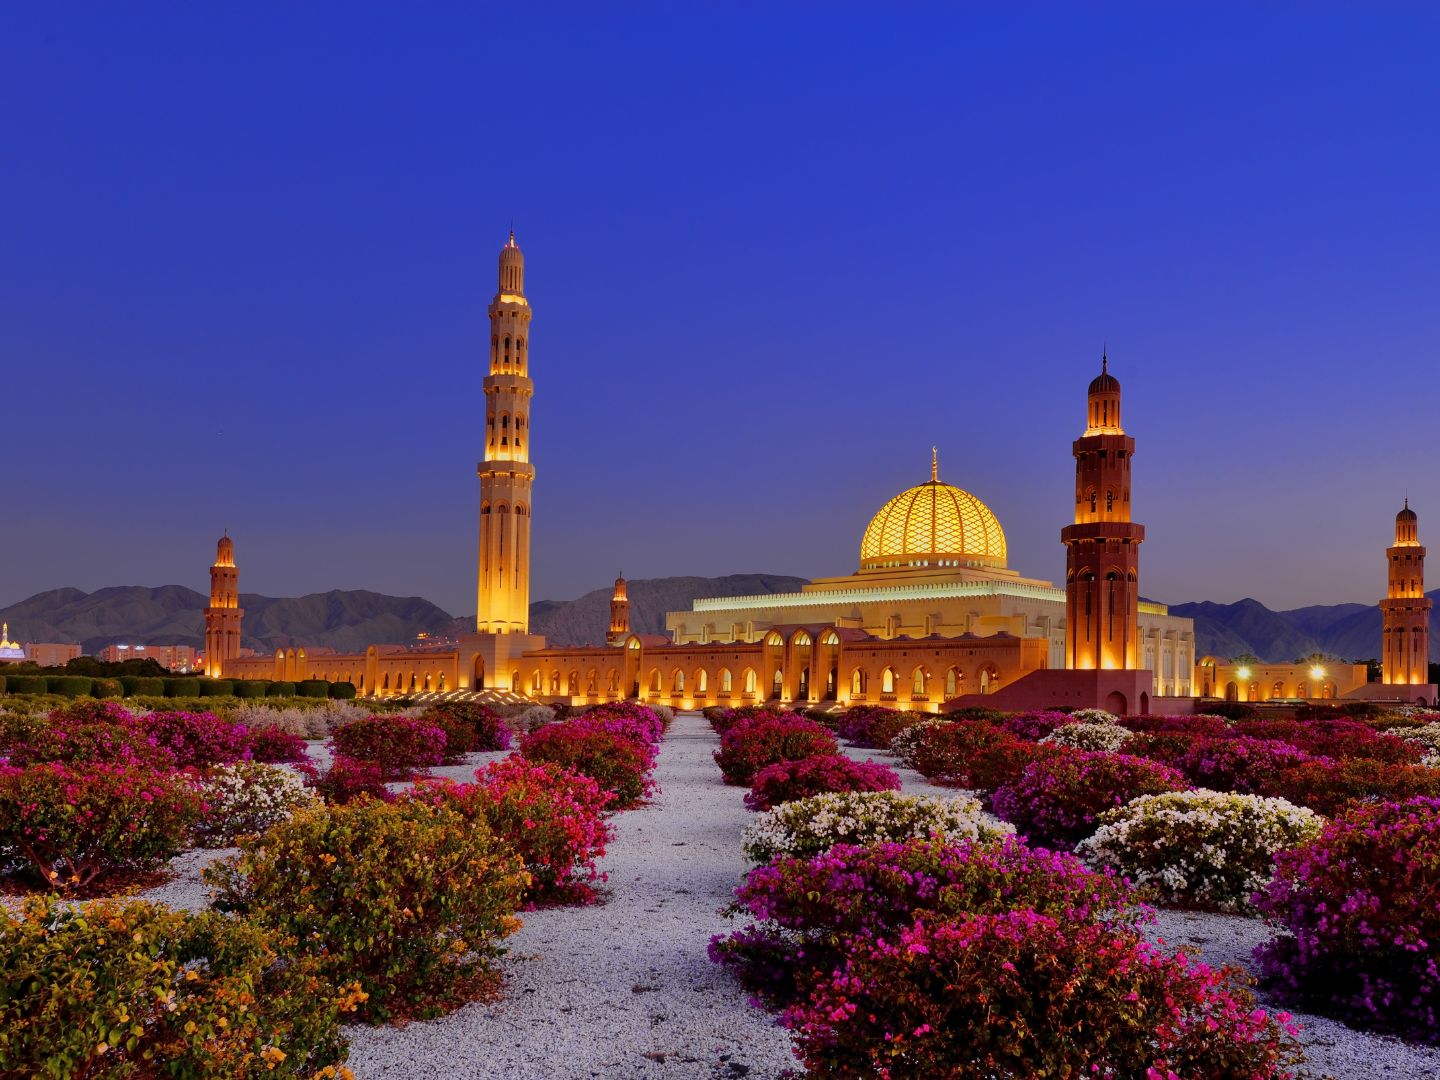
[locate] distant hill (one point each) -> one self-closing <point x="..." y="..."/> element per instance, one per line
<point x="347" y="620"/>
<point x="1348" y="631"/>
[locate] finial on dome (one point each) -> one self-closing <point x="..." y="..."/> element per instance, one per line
<point x="934" y="464"/>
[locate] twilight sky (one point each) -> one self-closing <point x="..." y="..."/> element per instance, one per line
<point x="775" y="253"/>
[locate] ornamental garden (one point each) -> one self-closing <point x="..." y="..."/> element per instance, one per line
<point x="996" y="920"/>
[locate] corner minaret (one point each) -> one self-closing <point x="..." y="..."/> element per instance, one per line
<point x="619" y="614"/>
<point x="1405" y="611"/>
<point x="506" y="475"/>
<point x="1102" y="548"/>
<point x="222" y="617"/>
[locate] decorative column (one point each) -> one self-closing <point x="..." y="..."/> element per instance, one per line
<point x="1405" y="611"/>
<point x="222" y="617"/>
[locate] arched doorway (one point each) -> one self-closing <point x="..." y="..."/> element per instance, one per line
<point x="1115" y="703"/>
<point x="477" y="673"/>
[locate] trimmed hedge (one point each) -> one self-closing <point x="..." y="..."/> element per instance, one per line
<point x="312" y="688"/>
<point x="250" y="688"/>
<point x="106" y="688"/>
<point x="217" y="688"/>
<point x="342" y="691"/>
<point x="2" y="684"/>
<point x="280" y="689"/>
<point x="147" y="686"/>
<point x="182" y="687"/>
<point x="68" y="685"/>
<point x="26" y="684"/>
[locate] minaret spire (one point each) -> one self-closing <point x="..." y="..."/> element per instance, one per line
<point x="934" y="464"/>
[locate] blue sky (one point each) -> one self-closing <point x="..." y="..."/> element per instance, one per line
<point x="775" y="253"/>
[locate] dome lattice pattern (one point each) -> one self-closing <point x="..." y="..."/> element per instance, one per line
<point x="934" y="519"/>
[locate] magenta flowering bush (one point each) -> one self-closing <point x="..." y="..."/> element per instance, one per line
<point x="399" y="745"/>
<point x="764" y="740"/>
<point x="808" y="912"/>
<point x="1057" y="800"/>
<point x="1243" y="763"/>
<point x="1034" y="725"/>
<point x="197" y="739"/>
<point x="86" y="732"/>
<point x="722" y="720"/>
<point x="627" y="718"/>
<point x="799" y="779"/>
<point x="274" y="746"/>
<point x="469" y="727"/>
<point x="1203" y="724"/>
<point x="973" y="754"/>
<point x="997" y="995"/>
<point x="73" y="826"/>
<point x="1342" y="739"/>
<point x="618" y="763"/>
<point x="1361" y="907"/>
<point x="348" y="778"/>
<point x="872" y="727"/>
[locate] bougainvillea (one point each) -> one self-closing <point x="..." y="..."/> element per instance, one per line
<point x="616" y="763"/>
<point x="86" y="732"/>
<point x="722" y="720"/>
<point x="1201" y="724"/>
<point x="1088" y="736"/>
<point x="111" y="988"/>
<point x="998" y="995"/>
<point x="1336" y="738"/>
<point x="197" y="738"/>
<point x="1359" y="903"/>
<point x="786" y="781"/>
<point x="1332" y="787"/>
<point x="398" y="745"/>
<point x="469" y="727"/>
<point x="813" y="826"/>
<point x="873" y="727"/>
<point x="638" y="722"/>
<point x="1240" y="763"/>
<point x="1199" y="849"/>
<point x="1034" y="725"/>
<point x="1056" y="801"/>
<point x="71" y="826"/>
<point x="972" y="754"/>
<point x="553" y="818"/>
<point x="406" y="899"/>
<point x="759" y="741"/>
<point x="247" y="797"/>
<point x="806" y="911"/>
<point x="348" y="778"/>
<point x="272" y="745"/>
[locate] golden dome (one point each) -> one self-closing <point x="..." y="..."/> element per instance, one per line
<point x="931" y="523"/>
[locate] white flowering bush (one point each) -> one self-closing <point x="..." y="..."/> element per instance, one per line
<point x="902" y="746"/>
<point x="1199" y="849"/>
<point x="309" y="721"/>
<point x="1427" y="737"/>
<point x="247" y="797"/>
<point x="1093" y="716"/>
<point x="1089" y="736"/>
<point x="807" y="827"/>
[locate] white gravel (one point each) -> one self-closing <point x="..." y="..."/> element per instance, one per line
<point x="623" y="989"/>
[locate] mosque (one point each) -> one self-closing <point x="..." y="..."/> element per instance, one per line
<point x="932" y="617"/>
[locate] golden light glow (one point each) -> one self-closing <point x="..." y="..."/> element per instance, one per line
<point x="1243" y="672"/>
<point x="934" y="519"/>
<point x="1317" y="672"/>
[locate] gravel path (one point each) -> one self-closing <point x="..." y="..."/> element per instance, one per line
<point x="623" y="989"/>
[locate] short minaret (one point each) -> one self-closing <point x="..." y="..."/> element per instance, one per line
<point x="619" y="614"/>
<point x="222" y="617"/>
<point x="506" y="475"/>
<point x="1102" y="588"/>
<point x="1405" y="611"/>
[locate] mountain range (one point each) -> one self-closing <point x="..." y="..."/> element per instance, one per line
<point x="350" y="619"/>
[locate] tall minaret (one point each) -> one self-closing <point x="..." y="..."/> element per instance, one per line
<point x="1102" y="548"/>
<point x="619" y="614"/>
<point x="222" y="617"/>
<point x="503" y="595"/>
<point x="1405" y="611"/>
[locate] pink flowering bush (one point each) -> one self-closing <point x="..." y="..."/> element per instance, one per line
<point x="973" y="754"/>
<point x="86" y="732"/>
<point x="1335" y="738"/>
<point x="617" y="763"/>
<point x="803" y="777"/>
<point x="626" y="718"/>
<point x="73" y="826"/>
<point x="551" y="817"/>
<point x="1333" y="787"/>
<point x="722" y="720"/>
<point x="872" y="727"/>
<point x="1016" y="993"/>
<point x="399" y="745"/>
<point x="274" y="746"/>
<point x="764" y="740"/>
<point x="348" y="778"/>
<point x="1057" y="801"/>
<point x="1205" y="724"/>
<point x="469" y="727"/>
<point x="1244" y="764"/>
<point x="1363" y="917"/>
<point x="197" y="739"/>
<point x="1034" y="725"/>
<point x="807" y="912"/>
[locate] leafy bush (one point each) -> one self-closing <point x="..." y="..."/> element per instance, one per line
<point x="272" y="745"/>
<point x="553" y="818"/>
<point x="399" y="745"/>
<point x="112" y="989"/>
<point x="469" y="727"/>
<point x="786" y="781"/>
<point x="246" y="798"/>
<point x="106" y="688"/>
<point x="1088" y="736"/>
<point x="1359" y="904"/>
<point x="408" y="900"/>
<point x="1200" y="849"/>
<point x="342" y="691"/>
<point x="182" y="687"/>
<point x="280" y="689"/>
<point x="616" y="763"/>
<point x="722" y="720"/>
<point x="638" y="722"/>
<point x="348" y="778"/>
<point x="217" y="688"/>
<point x="812" y="826"/>
<point x="71" y="826"/>
<point x="807" y="912"/>
<point x="1427" y="737"/>
<point x="997" y="995"/>
<point x="1207" y="724"/>
<point x="318" y="688"/>
<point x="26" y="684"/>
<point x="872" y="726"/>
<point x="1336" y="738"/>
<point x="68" y="685"/>
<point x="198" y="738"/>
<point x="1035" y="725"/>
<point x="972" y="754"/>
<point x="763" y="740"/>
<point x="1333" y="787"/>
<point x="1240" y="763"/>
<point x="250" y="688"/>
<point x="1232" y="710"/>
<point x="1057" y="801"/>
<point x="85" y="732"/>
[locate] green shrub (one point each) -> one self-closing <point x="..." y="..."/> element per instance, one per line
<point x="143" y="686"/>
<point x="111" y="988"/>
<point x="342" y="691"/>
<point x="250" y="688"/>
<point x="26" y="684"/>
<point x="69" y="685"/>
<point x="409" y="900"/>
<point x="313" y="688"/>
<point x="280" y="689"/>
<point x="217" y="688"/>
<point x="182" y="687"/>
<point x="106" y="688"/>
<point x="2" y="684"/>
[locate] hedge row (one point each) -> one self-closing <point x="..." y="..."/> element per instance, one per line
<point x="139" y="686"/>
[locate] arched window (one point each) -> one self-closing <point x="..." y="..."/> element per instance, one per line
<point x="777" y="685"/>
<point x="857" y="682"/>
<point x="887" y="681"/>
<point x="725" y="680"/>
<point x="655" y="680"/>
<point x="677" y="681"/>
<point x="749" y="680"/>
<point x="919" y="682"/>
<point x="1109" y="501"/>
<point x="952" y="682"/>
<point x="1093" y="502"/>
<point x="702" y="681"/>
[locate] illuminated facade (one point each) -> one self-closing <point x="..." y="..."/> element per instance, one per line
<point x="619" y="614"/>
<point x="223" y="616"/>
<point x="173" y="657"/>
<point x="1254" y="681"/>
<point x="1405" y="611"/>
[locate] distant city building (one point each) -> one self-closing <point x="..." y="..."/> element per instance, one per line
<point x="46" y="654"/>
<point x="174" y="657"/>
<point x="10" y="652"/>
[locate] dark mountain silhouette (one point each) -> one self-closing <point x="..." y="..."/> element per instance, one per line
<point x="1347" y="631"/>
